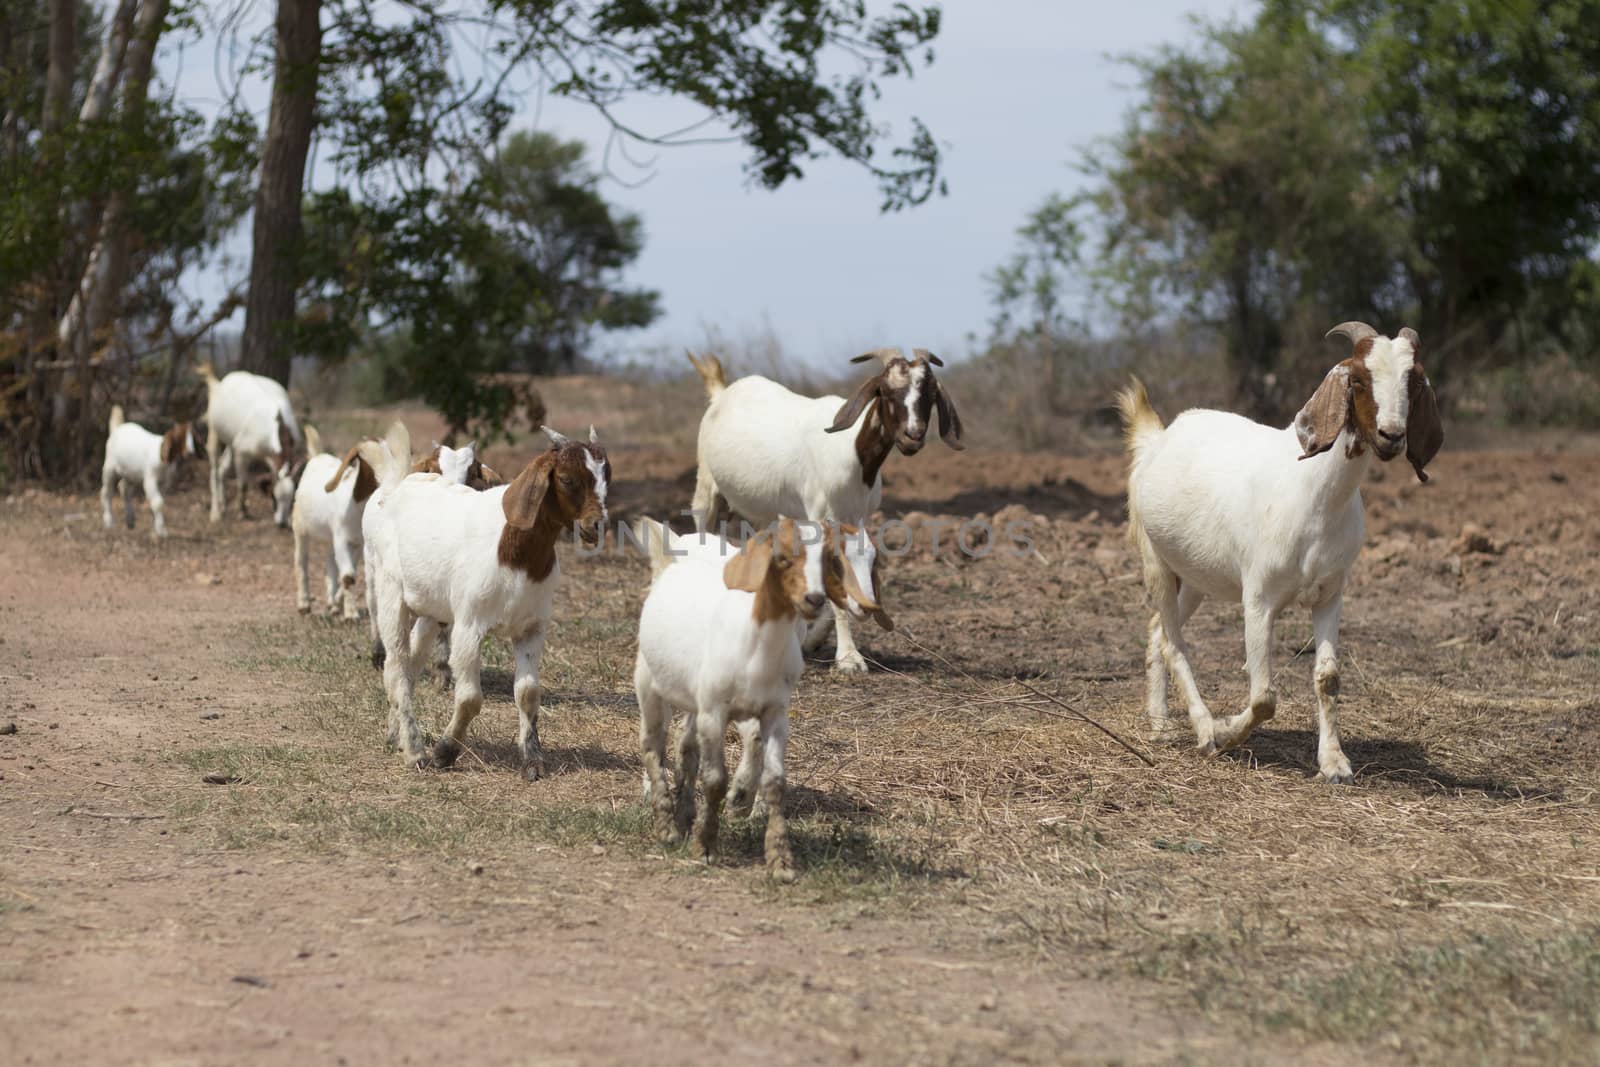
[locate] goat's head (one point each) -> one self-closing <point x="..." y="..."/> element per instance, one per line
<point x="182" y="442"/>
<point x="901" y="400"/>
<point x="285" y="473"/>
<point x="455" y="464"/>
<point x="783" y="571"/>
<point x="1381" y="395"/>
<point x="852" y="572"/>
<point x="563" y="487"/>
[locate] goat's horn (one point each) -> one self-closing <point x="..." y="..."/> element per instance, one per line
<point x="1410" y="335"/>
<point x="927" y="357"/>
<point x="594" y="438"/>
<point x="1356" y="331"/>
<point x="882" y="355"/>
<point x="560" y="440"/>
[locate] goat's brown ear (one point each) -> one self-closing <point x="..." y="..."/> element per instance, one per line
<point x="1424" y="434"/>
<point x="748" y="569"/>
<point x="366" y="480"/>
<point x="1320" y="422"/>
<point x="949" y="420"/>
<point x="527" y="492"/>
<point x="489" y="476"/>
<point x="169" y="443"/>
<point x="856" y="404"/>
<point x="285" y="438"/>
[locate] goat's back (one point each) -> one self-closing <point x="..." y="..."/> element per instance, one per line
<point x="243" y="407"/>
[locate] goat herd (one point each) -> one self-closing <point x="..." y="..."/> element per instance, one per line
<point x="1218" y="506"/>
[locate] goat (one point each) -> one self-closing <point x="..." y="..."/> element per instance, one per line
<point x="134" y="454"/>
<point x="844" y="592"/>
<point x="483" y="563"/>
<point x="249" y="418"/>
<point x="768" y="451"/>
<point x="329" y="503"/>
<point x="722" y="641"/>
<point x="1222" y="506"/>
<point x="459" y="465"/>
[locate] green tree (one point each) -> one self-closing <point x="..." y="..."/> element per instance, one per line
<point x="513" y="272"/>
<point x="792" y="80"/>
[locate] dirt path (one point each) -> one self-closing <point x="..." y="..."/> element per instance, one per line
<point x="130" y="941"/>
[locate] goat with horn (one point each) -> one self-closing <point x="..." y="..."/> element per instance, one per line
<point x="769" y="451"/>
<point x="1225" y="507"/>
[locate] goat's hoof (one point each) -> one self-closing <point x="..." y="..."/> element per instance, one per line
<point x="741" y="802"/>
<point x="533" y="769"/>
<point x="447" y="680"/>
<point x="445" y="752"/>
<point x="1338" y="773"/>
<point x="1164" y="735"/>
<point x="1208" y="747"/>
<point x="781" y="870"/>
<point x="304" y="609"/>
<point x="423" y="762"/>
<point x="378" y="656"/>
<point x="851" y="664"/>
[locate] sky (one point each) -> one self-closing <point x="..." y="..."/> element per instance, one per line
<point x="1017" y="90"/>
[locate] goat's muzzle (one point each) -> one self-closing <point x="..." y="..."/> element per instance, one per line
<point x="811" y="607"/>
<point x="1388" y="446"/>
<point x="589" y="533"/>
<point x="909" y="445"/>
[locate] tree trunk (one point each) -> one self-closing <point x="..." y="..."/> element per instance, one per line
<point x="63" y="57"/>
<point x="269" y="309"/>
<point x="97" y="101"/>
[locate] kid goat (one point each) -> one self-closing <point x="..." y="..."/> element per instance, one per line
<point x="721" y="639"/>
<point x="329" y="504"/>
<point x="1222" y="506"/>
<point x="770" y="452"/>
<point x="249" y="418"/>
<point x="134" y="454"/>
<point x="482" y="562"/>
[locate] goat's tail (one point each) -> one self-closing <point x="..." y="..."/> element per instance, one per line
<point x="396" y="459"/>
<point x="710" y="370"/>
<point x="207" y="372"/>
<point x="116" y="417"/>
<point x="654" y="537"/>
<point x="313" y="441"/>
<point x="1140" y="423"/>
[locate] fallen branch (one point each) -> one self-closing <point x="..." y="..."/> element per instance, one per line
<point x="110" y="815"/>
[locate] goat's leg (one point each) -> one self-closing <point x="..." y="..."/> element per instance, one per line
<point x="400" y="673"/>
<point x="704" y="505"/>
<point x="817" y="630"/>
<point x="774" y="744"/>
<point x="330" y="582"/>
<point x="302" y="576"/>
<point x="1331" y="761"/>
<point x="441" y="661"/>
<point x="108" y="479"/>
<point x="425" y="643"/>
<point x="241" y="471"/>
<point x="126" y="492"/>
<point x="688" y="771"/>
<point x="1169" y="609"/>
<point x="1156" y="679"/>
<point x="215" y="466"/>
<point x="466" y="654"/>
<point x="158" y="506"/>
<point x="1258" y="619"/>
<point x="746" y="779"/>
<point x="847" y="659"/>
<point x="372" y="610"/>
<point x="710" y="727"/>
<point x="654" y="716"/>
<point x="529" y="651"/>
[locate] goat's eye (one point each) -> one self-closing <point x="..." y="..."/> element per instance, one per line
<point x="568" y="481"/>
<point x="783" y="563"/>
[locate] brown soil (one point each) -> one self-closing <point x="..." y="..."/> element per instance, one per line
<point x="984" y="877"/>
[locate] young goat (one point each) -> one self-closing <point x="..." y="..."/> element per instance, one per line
<point x="249" y="418"/>
<point x="722" y="641"/>
<point x="134" y="454"/>
<point x="483" y="563"/>
<point x="839" y="582"/>
<point x="771" y="452"/>
<point x="329" y="504"/>
<point x="1222" y="506"/>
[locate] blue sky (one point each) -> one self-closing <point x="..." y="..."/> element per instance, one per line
<point x="1018" y="88"/>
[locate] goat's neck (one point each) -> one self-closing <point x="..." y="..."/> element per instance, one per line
<point x="873" y="443"/>
<point x="1336" y="475"/>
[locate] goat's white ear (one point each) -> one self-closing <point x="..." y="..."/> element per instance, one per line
<point x="560" y="440"/>
<point x="1320" y="422"/>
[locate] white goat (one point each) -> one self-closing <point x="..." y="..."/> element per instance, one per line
<point x="249" y="418"/>
<point x="768" y="452"/>
<point x="329" y="504"/>
<point x="722" y="642"/>
<point x="1222" y="506"/>
<point x="483" y="562"/>
<point x="843" y="590"/>
<point x="134" y="454"/>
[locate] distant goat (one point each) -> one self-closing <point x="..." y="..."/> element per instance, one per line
<point x="1222" y="506"/>
<point x="249" y="418"/>
<point x="329" y="502"/>
<point x="135" y="455"/>
<point x="769" y="452"/>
